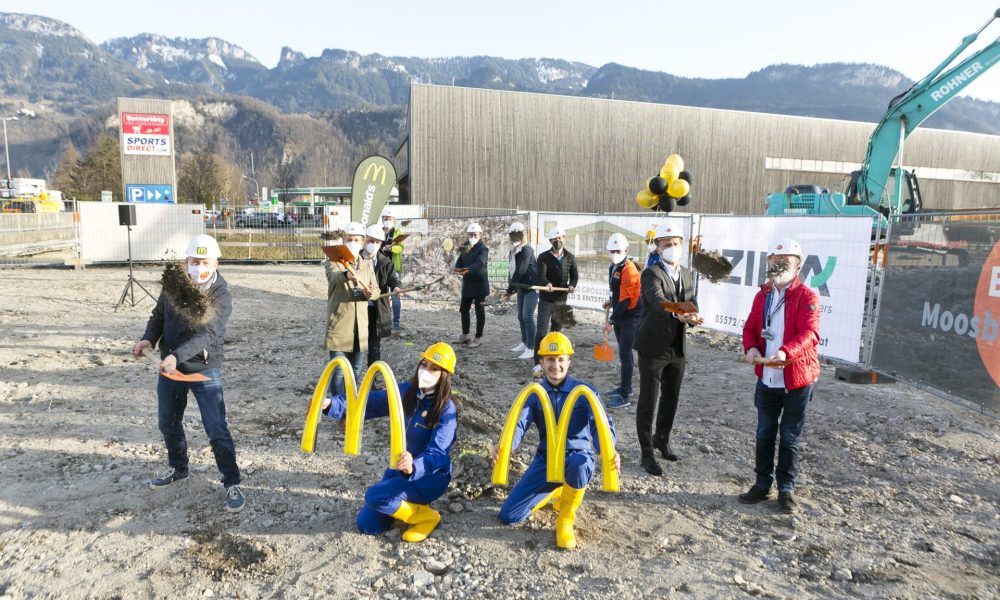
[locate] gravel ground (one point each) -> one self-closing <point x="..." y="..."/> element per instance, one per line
<point x="900" y="490"/>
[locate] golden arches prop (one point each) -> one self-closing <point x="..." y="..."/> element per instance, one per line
<point x="357" y="399"/>
<point x="557" y="432"/>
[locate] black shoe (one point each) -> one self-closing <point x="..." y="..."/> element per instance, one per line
<point x="786" y="502"/>
<point x="754" y="495"/>
<point x="666" y="451"/>
<point x="650" y="465"/>
<point x="171" y="476"/>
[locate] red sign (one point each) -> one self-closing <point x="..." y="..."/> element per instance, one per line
<point x="145" y="123"/>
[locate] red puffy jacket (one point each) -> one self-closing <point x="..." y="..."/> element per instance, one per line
<point x="801" y="333"/>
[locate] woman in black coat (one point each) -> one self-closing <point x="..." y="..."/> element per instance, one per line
<point x="472" y="263"/>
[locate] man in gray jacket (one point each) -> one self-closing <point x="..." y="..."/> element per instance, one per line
<point x="187" y="346"/>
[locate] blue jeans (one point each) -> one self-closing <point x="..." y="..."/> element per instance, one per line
<point x="396" y="307"/>
<point x="527" y="302"/>
<point x="625" y="334"/>
<point x="337" y="380"/>
<point x="172" y="400"/>
<point x="784" y="411"/>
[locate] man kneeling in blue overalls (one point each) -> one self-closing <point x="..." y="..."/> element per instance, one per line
<point x="533" y="491"/>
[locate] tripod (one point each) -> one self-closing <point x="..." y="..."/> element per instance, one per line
<point x="129" y="291"/>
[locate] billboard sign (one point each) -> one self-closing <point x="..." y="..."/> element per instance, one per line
<point x="144" y="133"/>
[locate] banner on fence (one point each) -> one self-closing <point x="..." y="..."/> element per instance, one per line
<point x="837" y="251"/>
<point x="939" y="321"/>
<point x="587" y="238"/>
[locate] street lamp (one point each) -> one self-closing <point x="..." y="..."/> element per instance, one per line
<point x="6" y="150"/>
<point x="255" y="184"/>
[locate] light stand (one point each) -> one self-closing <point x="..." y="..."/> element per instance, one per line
<point x="129" y="291"/>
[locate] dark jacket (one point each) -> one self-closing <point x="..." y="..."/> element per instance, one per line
<point x="196" y="347"/>
<point x="626" y="289"/>
<point x="660" y="332"/>
<point x="801" y="338"/>
<point x="525" y="269"/>
<point x="475" y="283"/>
<point x="559" y="274"/>
<point x="388" y="279"/>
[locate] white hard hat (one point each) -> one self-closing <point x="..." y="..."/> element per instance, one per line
<point x="617" y="241"/>
<point x="554" y="233"/>
<point x="375" y="231"/>
<point x="785" y="247"/>
<point x="474" y="228"/>
<point x="203" y="246"/>
<point x="516" y="227"/>
<point x="354" y="228"/>
<point x="387" y="212"/>
<point x="667" y="230"/>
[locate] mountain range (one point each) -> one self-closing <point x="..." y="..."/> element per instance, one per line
<point x="52" y="69"/>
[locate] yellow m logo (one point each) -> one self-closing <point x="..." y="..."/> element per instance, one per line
<point x="372" y="172"/>
<point x="357" y="398"/>
<point x="557" y="432"/>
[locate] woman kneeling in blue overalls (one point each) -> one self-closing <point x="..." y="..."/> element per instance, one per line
<point x="423" y="472"/>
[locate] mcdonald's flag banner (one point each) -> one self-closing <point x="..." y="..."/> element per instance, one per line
<point x="373" y="181"/>
<point x="939" y="310"/>
<point x="837" y="251"/>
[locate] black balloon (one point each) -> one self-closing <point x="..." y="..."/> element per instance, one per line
<point x="658" y="185"/>
<point x="684" y="201"/>
<point x="666" y="203"/>
<point x="686" y="176"/>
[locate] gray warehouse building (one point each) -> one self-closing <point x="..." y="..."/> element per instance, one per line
<point x="496" y="149"/>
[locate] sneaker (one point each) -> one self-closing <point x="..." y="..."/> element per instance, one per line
<point x="536" y="371"/>
<point x="519" y="348"/>
<point x="617" y="401"/>
<point x="527" y="354"/>
<point x="476" y="342"/>
<point x="171" y="476"/>
<point x="615" y="392"/>
<point x="235" y="500"/>
<point x="754" y="495"/>
<point x="465" y="339"/>
<point x="787" y="504"/>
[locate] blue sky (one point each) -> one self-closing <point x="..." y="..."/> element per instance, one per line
<point x="697" y="39"/>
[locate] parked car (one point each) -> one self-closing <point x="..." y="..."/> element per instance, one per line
<point x="260" y="219"/>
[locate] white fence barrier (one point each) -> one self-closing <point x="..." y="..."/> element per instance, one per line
<point x="162" y="231"/>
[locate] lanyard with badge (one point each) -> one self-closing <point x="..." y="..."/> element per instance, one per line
<point x="767" y="334"/>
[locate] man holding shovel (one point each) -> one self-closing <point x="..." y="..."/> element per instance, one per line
<point x="194" y="344"/>
<point x="558" y="273"/>
<point x="623" y="279"/>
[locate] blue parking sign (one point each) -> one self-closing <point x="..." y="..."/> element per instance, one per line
<point x="149" y="193"/>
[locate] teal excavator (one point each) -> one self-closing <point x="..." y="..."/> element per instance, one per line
<point x="879" y="189"/>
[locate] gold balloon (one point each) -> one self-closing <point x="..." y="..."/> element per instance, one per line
<point x="676" y="160"/>
<point x="678" y="188"/>
<point x="670" y="171"/>
<point x="646" y="199"/>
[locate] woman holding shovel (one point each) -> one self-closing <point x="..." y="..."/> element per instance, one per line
<point x="625" y="310"/>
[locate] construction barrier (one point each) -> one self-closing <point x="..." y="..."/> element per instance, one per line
<point x="161" y="232"/>
<point x="557" y="432"/>
<point x="357" y="400"/>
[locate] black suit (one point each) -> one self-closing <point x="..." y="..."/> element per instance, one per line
<point x="661" y="344"/>
<point x="380" y="311"/>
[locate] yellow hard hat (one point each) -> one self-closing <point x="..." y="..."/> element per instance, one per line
<point x="442" y="355"/>
<point x="555" y="344"/>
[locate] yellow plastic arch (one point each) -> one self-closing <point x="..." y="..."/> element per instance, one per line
<point x="502" y="465"/>
<point x="610" y="474"/>
<point x="357" y="399"/>
<point x="557" y="433"/>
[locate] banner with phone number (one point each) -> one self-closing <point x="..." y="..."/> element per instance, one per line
<point x="836" y="261"/>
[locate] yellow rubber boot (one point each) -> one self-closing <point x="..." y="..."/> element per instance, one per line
<point x="570" y="500"/>
<point x="422" y="522"/>
<point x="405" y="511"/>
<point x="553" y="497"/>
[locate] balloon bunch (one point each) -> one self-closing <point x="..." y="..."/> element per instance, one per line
<point x="672" y="185"/>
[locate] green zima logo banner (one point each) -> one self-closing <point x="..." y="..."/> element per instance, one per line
<point x="373" y="180"/>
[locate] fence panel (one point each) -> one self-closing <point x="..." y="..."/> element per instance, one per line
<point x="937" y="321"/>
<point x="34" y="239"/>
<point x="161" y="232"/>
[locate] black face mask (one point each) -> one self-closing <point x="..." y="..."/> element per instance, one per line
<point x="515" y="238"/>
<point x="557" y="245"/>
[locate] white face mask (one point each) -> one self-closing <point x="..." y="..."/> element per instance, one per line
<point x="371" y="248"/>
<point x="387" y="224"/>
<point x="617" y="257"/>
<point x="427" y="379"/>
<point x="355" y="247"/>
<point x="671" y="254"/>
<point x="200" y="273"/>
<point x="473" y="239"/>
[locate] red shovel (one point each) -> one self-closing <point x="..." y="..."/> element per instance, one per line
<point x="603" y="352"/>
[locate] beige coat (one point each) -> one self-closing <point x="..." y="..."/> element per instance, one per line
<point x="346" y="313"/>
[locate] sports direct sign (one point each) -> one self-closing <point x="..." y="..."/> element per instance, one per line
<point x="835" y="264"/>
<point x="144" y="133"/>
